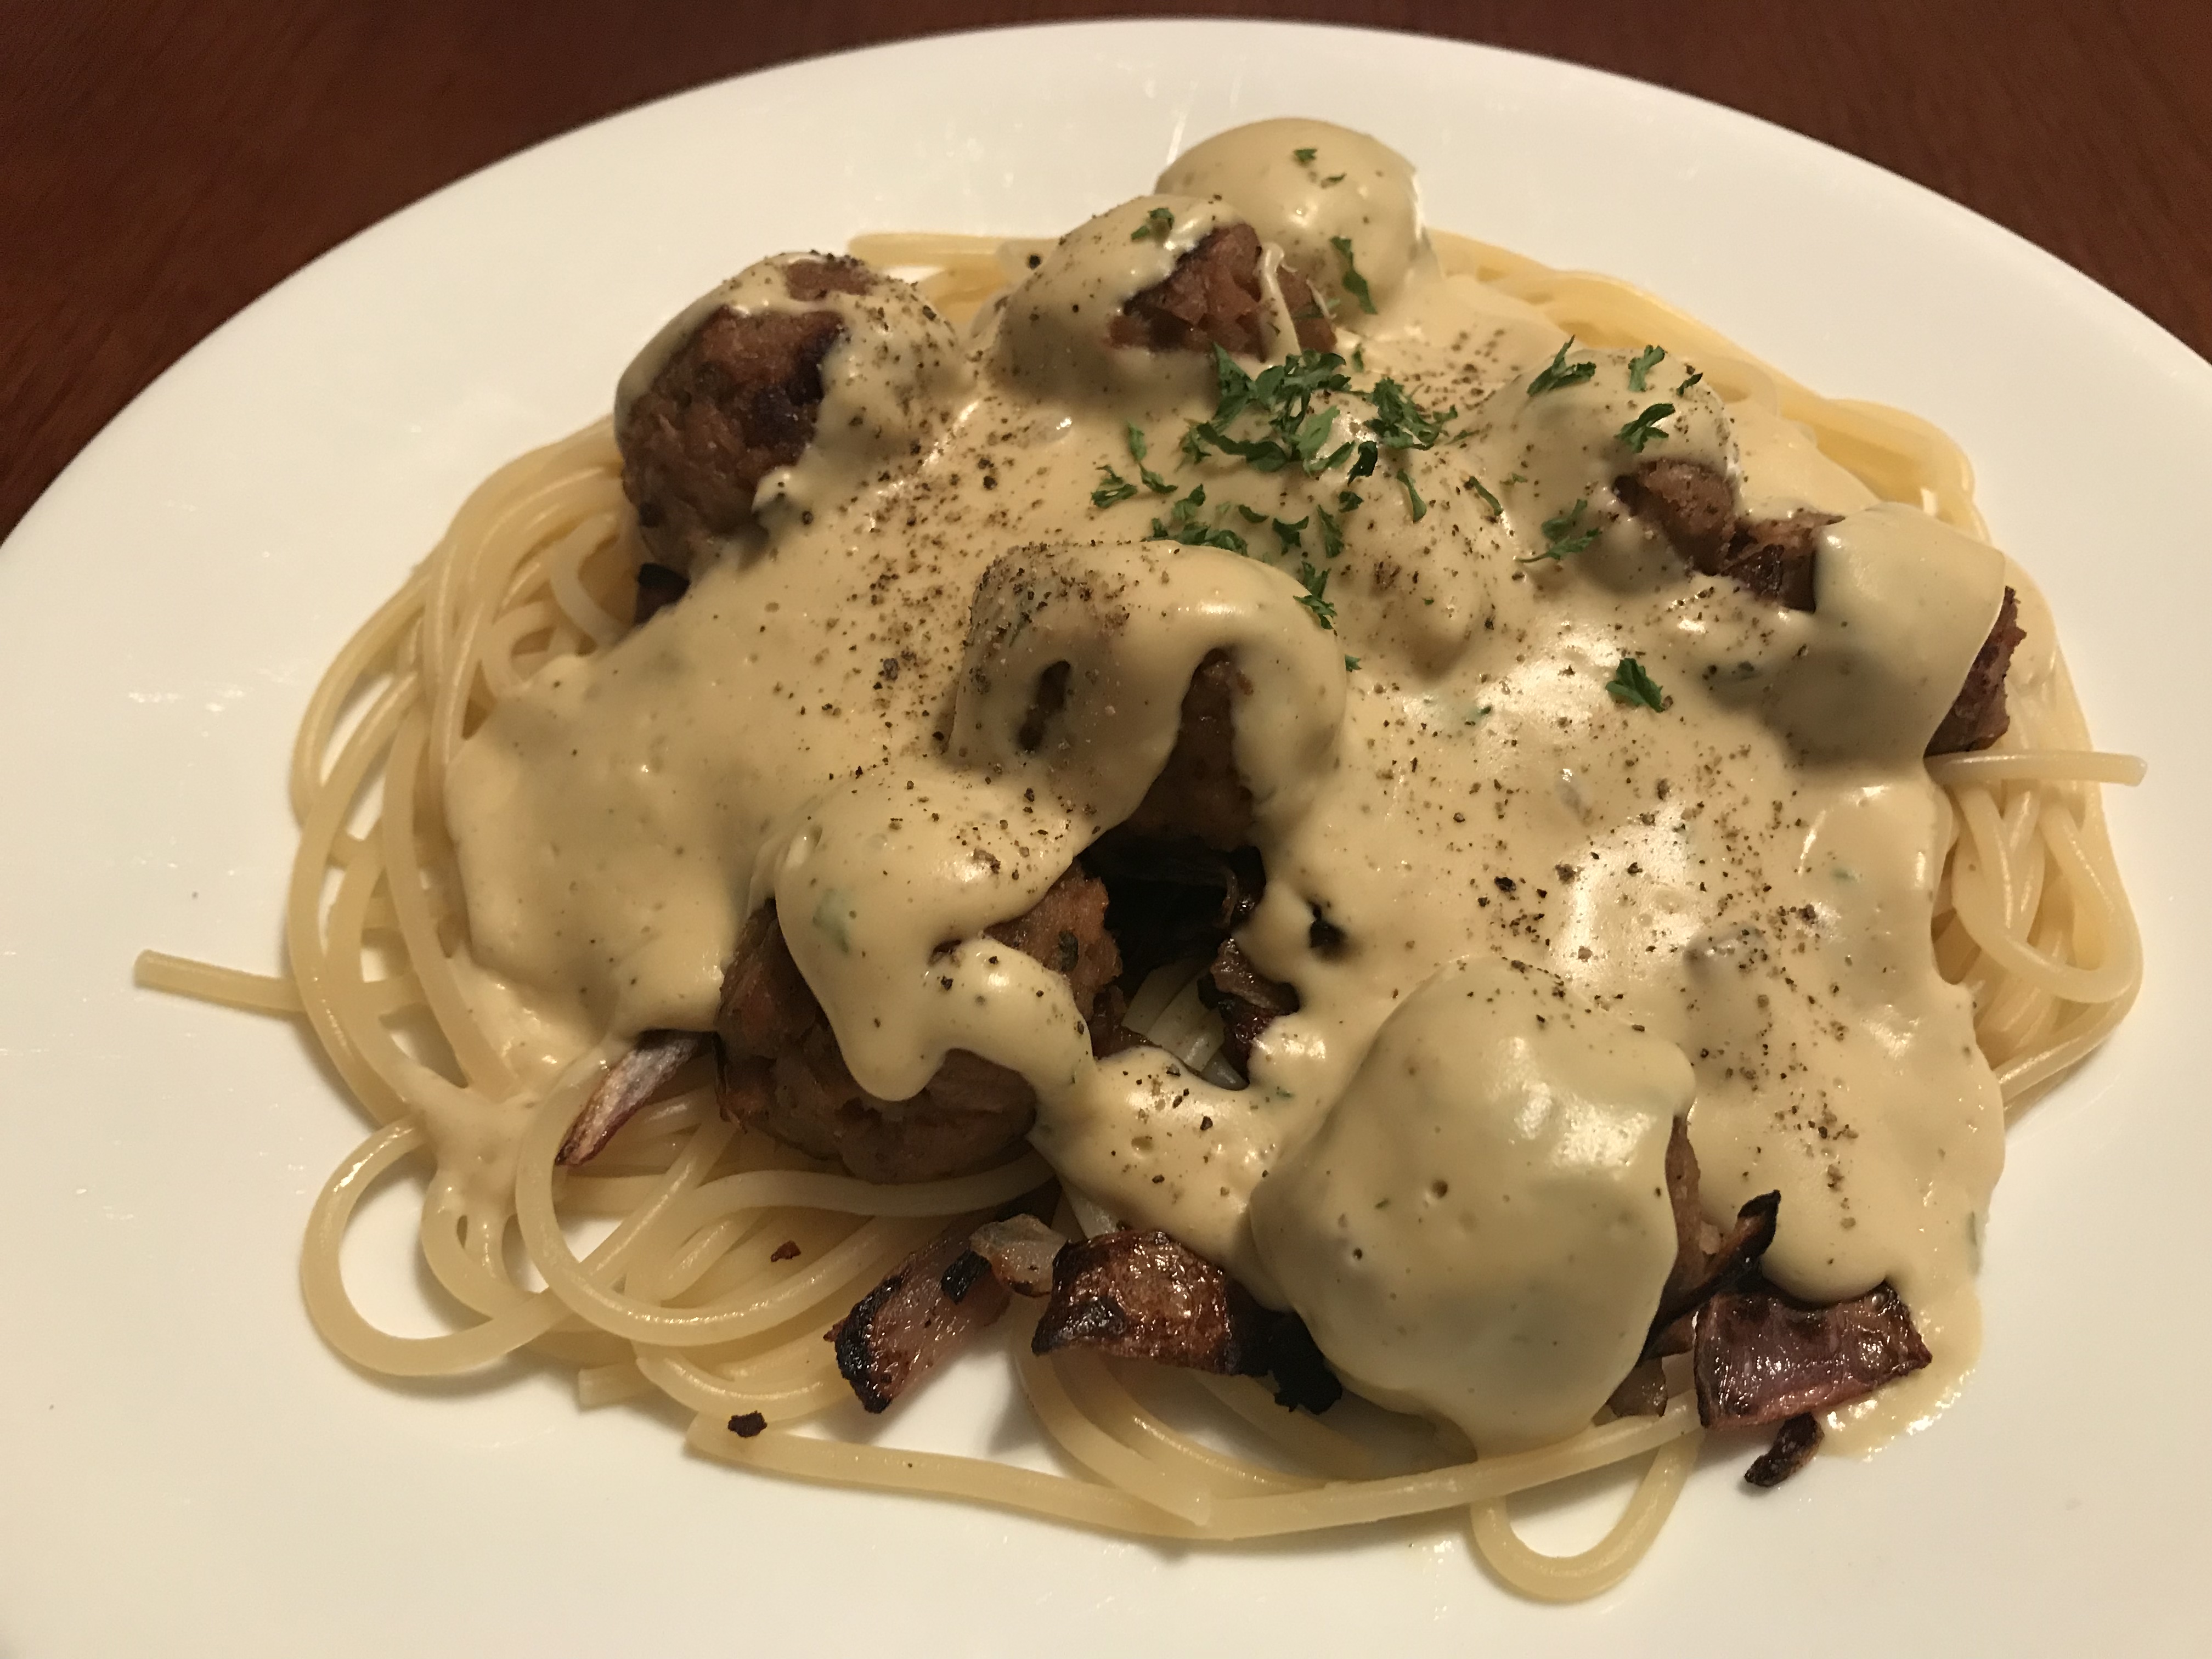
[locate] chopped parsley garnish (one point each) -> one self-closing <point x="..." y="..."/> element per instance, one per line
<point x="1333" y="179"/>
<point x="1350" y="663"/>
<point x="1347" y="500"/>
<point x="1402" y="424"/>
<point x="1183" y="525"/>
<point x="1415" y="504"/>
<point x="1114" y="487"/>
<point x="1153" y="482"/>
<point x="1646" y="360"/>
<point x="1288" y="534"/>
<point x="1354" y="284"/>
<point x="1689" y="380"/>
<point x="1332" y="533"/>
<point x="1285" y="392"/>
<point x="1630" y="683"/>
<point x="1303" y="155"/>
<point x="1249" y="515"/>
<point x="1645" y="429"/>
<point x="1315" y="582"/>
<point x="1156" y="226"/>
<point x="1563" y="534"/>
<point x="1496" y="508"/>
<point x="1558" y="372"/>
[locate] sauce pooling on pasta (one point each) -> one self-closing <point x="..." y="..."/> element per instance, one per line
<point x="1556" y="914"/>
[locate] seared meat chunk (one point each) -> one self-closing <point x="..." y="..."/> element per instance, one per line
<point x="913" y="1322"/>
<point x="1761" y="1357"/>
<point x="1772" y="558"/>
<point x="1065" y="930"/>
<point x="1143" y="1296"/>
<point x="1688" y="503"/>
<point x="733" y="403"/>
<point x="629" y="1083"/>
<point x="1199" y="792"/>
<point x="1247" y="1000"/>
<point x="827" y="274"/>
<point x="1794" y="1443"/>
<point x="1214" y="297"/>
<point x="1977" y="717"/>
<point x="1694" y="507"/>
<point x="774" y="1033"/>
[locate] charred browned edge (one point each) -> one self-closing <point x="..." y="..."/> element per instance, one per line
<point x="1142" y="1295"/>
<point x="1794" y="1443"/>
<point x="1761" y="1356"/>
<point x="911" y="1323"/>
<point x="746" y="1424"/>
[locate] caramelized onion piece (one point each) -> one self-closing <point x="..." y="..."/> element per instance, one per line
<point x="629" y="1083"/>
<point x="1761" y="1356"/>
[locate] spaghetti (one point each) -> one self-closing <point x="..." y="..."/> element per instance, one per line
<point x="730" y="1253"/>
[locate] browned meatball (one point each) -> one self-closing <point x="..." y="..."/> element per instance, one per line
<point x="1977" y="717"/>
<point x="783" y="1072"/>
<point x="1199" y="792"/>
<point x="1214" y="297"/>
<point x="734" y="402"/>
<point x="1694" y="507"/>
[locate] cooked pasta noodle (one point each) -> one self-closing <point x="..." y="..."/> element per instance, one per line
<point x="687" y="1296"/>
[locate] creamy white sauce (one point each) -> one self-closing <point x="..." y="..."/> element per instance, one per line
<point x="1733" y="893"/>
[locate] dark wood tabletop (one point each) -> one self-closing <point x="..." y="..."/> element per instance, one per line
<point x="161" y="164"/>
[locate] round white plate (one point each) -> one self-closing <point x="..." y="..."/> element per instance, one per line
<point x="184" y="1467"/>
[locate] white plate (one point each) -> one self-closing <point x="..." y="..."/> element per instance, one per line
<point x="184" y="1467"/>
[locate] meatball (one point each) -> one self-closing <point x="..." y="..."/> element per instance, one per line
<point x="1214" y="297"/>
<point x="783" y="391"/>
<point x="1304" y="185"/>
<point x="783" y="1073"/>
<point x="1199" y="792"/>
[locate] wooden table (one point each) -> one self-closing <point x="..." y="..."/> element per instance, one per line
<point x="161" y="164"/>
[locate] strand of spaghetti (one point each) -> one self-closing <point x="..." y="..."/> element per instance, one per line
<point x="1604" y="1563"/>
<point x="479" y="1060"/>
<point x="303" y="942"/>
<point x="1983" y="912"/>
<point x="501" y="639"/>
<point x="1099" y="1451"/>
<point x="460" y="1274"/>
<point x="689" y="1384"/>
<point x="609" y="1384"/>
<point x="804" y="1189"/>
<point x="204" y="981"/>
<point x="563" y="561"/>
<point x="642" y="1322"/>
<point x="2038" y="766"/>
<point x="374" y="639"/>
<point x="1102" y="1397"/>
<point x="341" y="1323"/>
<point x="978" y="1481"/>
<point x="1306" y="1439"/>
